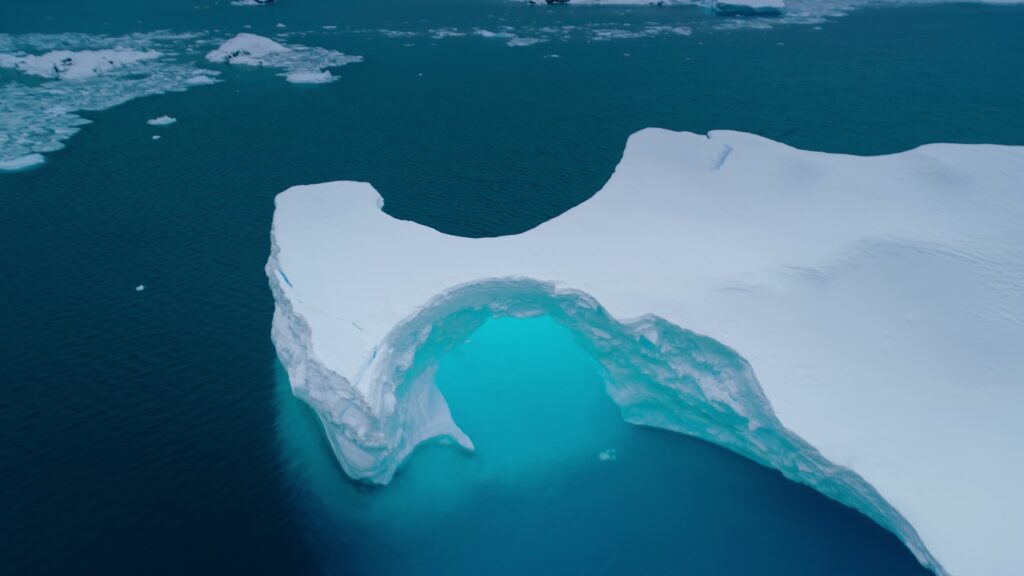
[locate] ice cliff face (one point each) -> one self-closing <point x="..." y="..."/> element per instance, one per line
<point x="877" y="299"/>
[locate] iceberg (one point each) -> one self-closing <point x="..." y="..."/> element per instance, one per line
<point x="853" y="322"/>
<point x="301" y="64"/>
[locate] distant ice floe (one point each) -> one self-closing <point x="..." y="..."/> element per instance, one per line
<point x="57" y="76"/>
<point x="750" y="7"/>
<point x="164" y="120"/>
<point x="60" y="75"/>
<point x="301" y="64"/>
<point x="69" y="65"/>
<point x="21" y="163"/>
<point x="766" y="13"/>
<point x="322" y="77"/>
<point x="529" y="36"/>
<point x="607" y="455"/>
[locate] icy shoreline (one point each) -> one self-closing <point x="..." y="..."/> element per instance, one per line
<point x="873" y="296"/>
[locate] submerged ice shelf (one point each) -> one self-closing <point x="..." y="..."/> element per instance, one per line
<point x="854" y="322"/>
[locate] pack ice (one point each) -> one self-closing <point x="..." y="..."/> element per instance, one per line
<point x="854" y="322"/>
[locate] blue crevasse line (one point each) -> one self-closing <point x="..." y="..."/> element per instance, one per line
<point x="285" y="278"/>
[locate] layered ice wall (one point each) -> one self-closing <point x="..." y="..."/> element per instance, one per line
<point x="854" y="322"/>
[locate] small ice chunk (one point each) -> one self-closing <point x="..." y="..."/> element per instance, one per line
<point x="164" y="120"/>
<point x="201" y="80"/>
<point x="607" y="455"/>
<point x="156" y="136"/>
<point x="140" y="288"/>
<point x="310" y="77"/>
<point x="21" y="162"/>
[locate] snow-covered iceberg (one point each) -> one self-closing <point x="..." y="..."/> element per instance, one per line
<point x="301" y="64"/>
<point x="854" y="322"/>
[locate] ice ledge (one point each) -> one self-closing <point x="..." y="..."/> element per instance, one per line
<point x="878" y="299"/>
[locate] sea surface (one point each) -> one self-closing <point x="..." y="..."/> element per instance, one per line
<point x="152" y="432"/>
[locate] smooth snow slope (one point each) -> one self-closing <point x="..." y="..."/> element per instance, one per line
<point x="878" y="300"/>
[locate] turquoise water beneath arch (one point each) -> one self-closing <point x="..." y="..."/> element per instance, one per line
<point x="560" y="484"/>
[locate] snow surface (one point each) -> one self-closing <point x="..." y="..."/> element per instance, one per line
<point x="877" y="299"/>
<point x="164" y="120"/>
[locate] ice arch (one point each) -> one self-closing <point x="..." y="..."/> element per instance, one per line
<point x="660" y="375"/>
<point x="878" y="298"/>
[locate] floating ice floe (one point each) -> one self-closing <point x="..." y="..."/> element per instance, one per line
<point x="854" y="322"/>
<point x="21" y="162"/>
<point x="72" y="65"/>
<point x="322" y="77"/>
<point x="301" y="64"/>
<point x="164" y="120"/>
<point x="750" y="7"/>
<point x="140" y="288"/>
<point x="82" y="72"/>
<point x="607" y="455"/>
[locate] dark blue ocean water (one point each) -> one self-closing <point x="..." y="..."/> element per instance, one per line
<point x="148" y="432"/>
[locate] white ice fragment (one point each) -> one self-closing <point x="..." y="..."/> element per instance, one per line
<point x="520" y="41"/>
<point x="140" y="288"/>
<point x="751" y="7"/>
<point x="164" y="120"/>
<point x="310" y="77"/>
<point x="201" y="80"/>
<point x="607" y="455"/>
<point x="21" y="163"/>
<point x="72" y="65"/>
